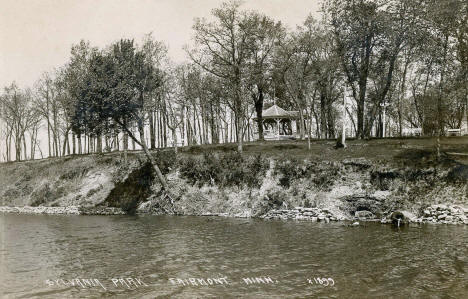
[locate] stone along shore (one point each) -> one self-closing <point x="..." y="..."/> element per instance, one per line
<point x="70" y="210"/>
<point x="301" y="213"/>
<point x="443" y="214"/>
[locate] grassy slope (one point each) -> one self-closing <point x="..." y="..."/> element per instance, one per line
<point x="376" y="150"/>
<point x="80" y="180"/>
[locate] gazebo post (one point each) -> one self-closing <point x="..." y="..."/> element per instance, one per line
<point x="263" y="131"/>
<point x="293" y="127"/>
<point x="277" y="128"/>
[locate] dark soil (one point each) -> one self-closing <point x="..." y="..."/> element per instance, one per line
<point x="132" y="191"/>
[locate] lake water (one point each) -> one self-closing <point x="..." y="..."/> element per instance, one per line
<point x="165" y="256"/>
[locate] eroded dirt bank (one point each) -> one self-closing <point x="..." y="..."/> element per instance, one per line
<point x="286" y="186"/>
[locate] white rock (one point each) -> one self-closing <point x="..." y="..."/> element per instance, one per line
<point x="442" y="216"/>
<point x="381" y="195"/>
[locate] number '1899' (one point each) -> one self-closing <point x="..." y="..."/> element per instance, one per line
<point x="326" y="282"/>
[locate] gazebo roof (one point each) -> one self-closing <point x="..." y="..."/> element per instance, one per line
<point x="275" y="112"/>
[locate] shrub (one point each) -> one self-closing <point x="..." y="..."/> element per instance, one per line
<point x="322" y="175"/>
<point x="231" y="169"/>
<point x="41" y="195"/>
<point x="257" y="167"/>
<point x="74" y="172"/>
<point x="382" y="180"/>
<point x="326" y="176"/>
<point x="289" y="170"/>
<point x="458" y="174"/>
<point x="210" y="169"/>
<point x="166" y="160"/>
<point x="190" y="169"/>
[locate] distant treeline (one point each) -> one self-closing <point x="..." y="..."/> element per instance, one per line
<point x="410" y="56"/>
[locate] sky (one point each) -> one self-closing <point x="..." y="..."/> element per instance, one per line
<point x="36" y="35"/>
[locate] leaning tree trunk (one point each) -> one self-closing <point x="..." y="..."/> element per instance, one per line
<point x="160" y="176"/>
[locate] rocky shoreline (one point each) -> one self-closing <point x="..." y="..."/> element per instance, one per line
<point x="435" y="214"/>
<point x="70" y="210"/>
<point x="301" y="213"/>
<point x="444" y="214"/>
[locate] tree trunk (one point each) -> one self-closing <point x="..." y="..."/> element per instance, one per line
<point x="99" y="143"/>
<point x="231" y="120"/>
<point x="150" y="158"/>
<point x="32" y="144"/>
<point x="182" y="130"/>
<point x="56" y="137"/>
<point x="25" y="150"/>
<point x="330" y="122"/>
<point x="360" y="119"/>
<point x="174" y="139"/>
<point x="239" y="132"/>
<point x="73" y="144"/>
<point x="79" y="144"/>
<point x="323" y="116"/>
<point x="116" y="142"/>
<point x="164" y="122"/>
<point x="400" y="97"/>
<point x="309" y="147"/>
<point x="8" y="147"/>
<point x="125" y="146"/>
<point x="152" y="133"/>
<point x="301" y="125"/>
<point x="48" y="129"/>
<point x="65" y="141"/>
<point x="18" y="147"/>
<point x="259" y="111"/>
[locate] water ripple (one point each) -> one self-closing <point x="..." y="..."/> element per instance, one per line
<point x="370" y="261"/>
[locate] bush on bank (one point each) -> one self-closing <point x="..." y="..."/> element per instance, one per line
<point x="291" y="170"/>
<point x="231" y="169"/>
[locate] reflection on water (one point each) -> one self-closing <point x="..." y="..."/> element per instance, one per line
<point x="291" y="257"/>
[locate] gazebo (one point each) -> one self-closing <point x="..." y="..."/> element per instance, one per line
<point x="279" y="123"/>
